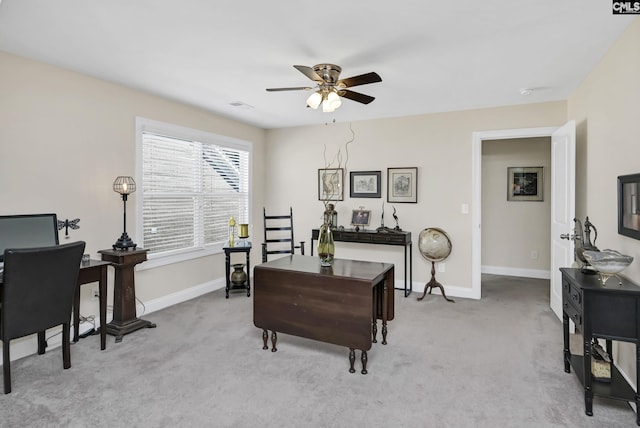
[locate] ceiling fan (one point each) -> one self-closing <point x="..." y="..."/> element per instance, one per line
<point x="329" y="89"/>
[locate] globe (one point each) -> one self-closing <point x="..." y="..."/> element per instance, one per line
<point x="434" y="244"/>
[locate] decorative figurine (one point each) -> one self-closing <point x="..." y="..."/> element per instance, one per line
<point x="232" y="231"/>
<point x="73" y="224"/>
<point x="395" y="217"/>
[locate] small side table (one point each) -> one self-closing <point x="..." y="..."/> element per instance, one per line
<point x="240" y="247"/>
<point x="124" y="320"/>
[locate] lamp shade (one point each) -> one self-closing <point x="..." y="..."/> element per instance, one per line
<point x="314" y="100"/>
<point x="124" y="185"/>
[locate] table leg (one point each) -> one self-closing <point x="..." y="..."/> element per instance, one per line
<point x="363" y="358"/>
<point x="227" y="269"/>
<point x="352" y="360"/>
<point x="274" y="339"/>
<point x="374" y="311"/>
<point x="385" y="314"/>
<point x="248" y="275"/>
<point x="567" y="351"/>
<point x="265" y="337"/>
<point x="588" y="392"/>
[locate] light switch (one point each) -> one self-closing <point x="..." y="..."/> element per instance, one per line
<point x="465" y="209"/>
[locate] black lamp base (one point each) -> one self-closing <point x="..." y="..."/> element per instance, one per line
<point x="124" y="243"/>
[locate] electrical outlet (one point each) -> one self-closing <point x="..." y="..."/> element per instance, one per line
<point x="95" y="292"/>
<point x="534" y="255"/>
<point x="441" y="267"/>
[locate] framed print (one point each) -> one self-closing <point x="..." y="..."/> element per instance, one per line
<point x="364" y="184"/>
<point x="402" y="185"/>
<point x="629" y="205"/>
<point x="525" y="183"/>
<point x="330" y="184"/>
<point x="360" y="217"/>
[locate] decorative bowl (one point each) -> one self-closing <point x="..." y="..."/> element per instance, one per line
<point x="608" y="263"/>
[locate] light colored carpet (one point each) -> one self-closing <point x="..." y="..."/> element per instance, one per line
<point x="496" y="362"/>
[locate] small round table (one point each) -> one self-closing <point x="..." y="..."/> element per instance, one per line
<point x="240" y="247"/>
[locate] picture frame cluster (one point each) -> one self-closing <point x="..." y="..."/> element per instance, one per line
<point x="402" y="184"/>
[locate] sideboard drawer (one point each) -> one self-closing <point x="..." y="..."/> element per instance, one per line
<point x="574" y="314"/>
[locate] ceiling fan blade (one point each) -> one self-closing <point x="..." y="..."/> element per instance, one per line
<point x="356" y="96"/>
<point x="297" y="88"/>
<point x="362" y="79"/>
<point x="309" y="72"/>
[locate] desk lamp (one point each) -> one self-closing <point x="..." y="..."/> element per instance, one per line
<point x="124" y="185"/>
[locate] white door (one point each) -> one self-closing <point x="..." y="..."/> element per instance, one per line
<point x="563" y="209"/>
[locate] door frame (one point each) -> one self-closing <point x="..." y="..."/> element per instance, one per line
<point x="476" y="192"/>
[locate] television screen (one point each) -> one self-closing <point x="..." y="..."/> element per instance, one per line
<point x="27" y="231"/>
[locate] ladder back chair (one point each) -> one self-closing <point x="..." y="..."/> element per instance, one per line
<point x="278" y="235"/>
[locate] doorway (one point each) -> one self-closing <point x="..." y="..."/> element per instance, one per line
<point x="476" y="211"/>
<point x="519" y="226"/>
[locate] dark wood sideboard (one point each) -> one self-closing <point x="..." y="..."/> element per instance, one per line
<point x="400" y="238"/>
<point x="610" y="312"/>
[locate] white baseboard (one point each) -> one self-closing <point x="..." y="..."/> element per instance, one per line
<point x="25" y="346"/>
<point x="450" y="290"/>
<point x="523" y="273"/>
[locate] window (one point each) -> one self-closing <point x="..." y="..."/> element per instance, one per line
<point x="190" y="183"/>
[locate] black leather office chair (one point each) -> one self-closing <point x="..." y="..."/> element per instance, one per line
<point x="278" y="235"/>
<point x="38" y="289"/>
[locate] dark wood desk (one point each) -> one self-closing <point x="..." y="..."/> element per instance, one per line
<point x="339" y="304"/>
<point x="93" y="271"/>
<point x="610" y="312"/>
<point x="241" y="247"/>
<point x="380" y="238"/>
<point x="125" y="320"/>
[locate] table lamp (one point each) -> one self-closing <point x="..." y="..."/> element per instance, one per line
<point x="124" y="185"/>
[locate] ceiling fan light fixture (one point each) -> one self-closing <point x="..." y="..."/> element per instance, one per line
<point x="314" y="100"/>
<point x="334" y="100"/>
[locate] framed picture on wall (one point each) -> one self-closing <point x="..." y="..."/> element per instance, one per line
<point x="402" y="185"/>
<point x="629" y="205"/>
<point x="330" y="184"/>
<point x="525" y="183"/>
<point x="364" y="184"/>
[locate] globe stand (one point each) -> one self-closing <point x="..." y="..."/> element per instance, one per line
<point x="433" y="283"/>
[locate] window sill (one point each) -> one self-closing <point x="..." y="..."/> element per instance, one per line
<point x="155" y="261"/>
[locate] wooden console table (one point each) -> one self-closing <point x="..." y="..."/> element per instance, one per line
<point x="339" y="304"/>
<point x="124" y="292"/>
<point x="381" y="238"/>
<point x="610" y="312"/>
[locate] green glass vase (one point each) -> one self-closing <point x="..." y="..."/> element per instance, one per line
<point x="326" y="248"/>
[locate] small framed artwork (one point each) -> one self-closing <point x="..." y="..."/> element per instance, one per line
<point x="402" y="185"/>
<point x="360" y="217"/>
<point x="629" y="205"/>
<point x="365" y="184"/>
<point x="525" y="183"/>
<point x="330" y="184"/>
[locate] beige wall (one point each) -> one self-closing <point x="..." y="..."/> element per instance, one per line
<point x="64" y="137"/>
<point x="440" y="145"/>
<point x="513" y="230"/>
<point x="606" y="108"/>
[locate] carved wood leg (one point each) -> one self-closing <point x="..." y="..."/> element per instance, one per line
<point x="588" y="392"/>
<point x="265" y="337"/>
<point x="274" y="339"/>
<point x="374" y="328"/>
<point x="352" y="360"/>
<point x="637" y="396"/>
<point x="567" y="352"/>
<point x="384" y="332"/>
<point x="363" y="358"/>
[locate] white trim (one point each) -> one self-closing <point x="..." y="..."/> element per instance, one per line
<point x="476" y="191"/>
<point x="177" y="131"/>
<point x="519" y="272"/>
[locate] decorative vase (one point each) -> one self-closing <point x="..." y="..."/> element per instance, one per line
<point x="238" y="276"/>
<point x="326" y="248"/>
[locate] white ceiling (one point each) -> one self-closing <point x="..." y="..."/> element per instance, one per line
<point x="433" y="56"/>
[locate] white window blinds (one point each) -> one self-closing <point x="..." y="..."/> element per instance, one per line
<point x="189" y="190"/>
